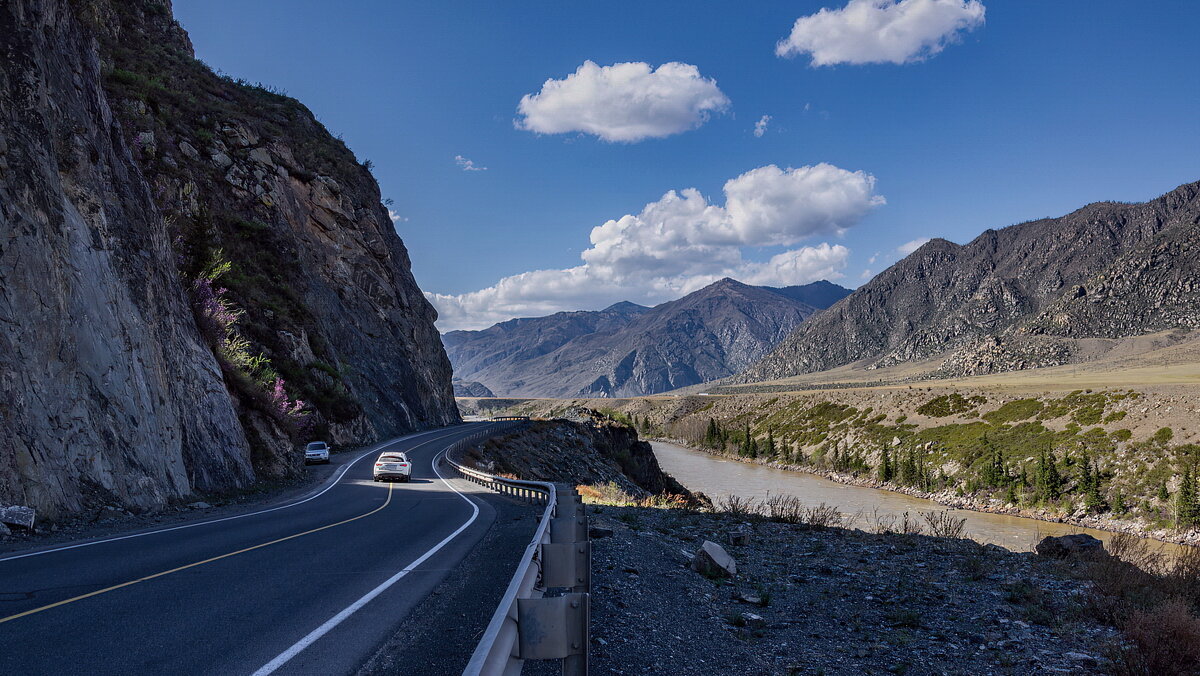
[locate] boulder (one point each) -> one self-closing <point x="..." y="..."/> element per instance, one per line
<point x="753" y="621"/>
<point x="189" y="150"/>
<point x="1069" y="546"/>
<point x="17" y="516"/>
<point x="711" y="560"/>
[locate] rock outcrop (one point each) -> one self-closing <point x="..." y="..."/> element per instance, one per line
<point x="582" y="447"/>
<point x="470" y="388"/>
<point x="629" y="350"/>
<point x="1014" y="298"/>
<point x="128" y="171"/>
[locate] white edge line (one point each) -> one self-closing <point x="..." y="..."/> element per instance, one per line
<point x="334" y="621"/>
<point x="332" y="482"/>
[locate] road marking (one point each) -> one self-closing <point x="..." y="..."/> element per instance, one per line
<point x="200" y="563"/>
<point x="287" y="655"/>
<point x="334" y="482"/>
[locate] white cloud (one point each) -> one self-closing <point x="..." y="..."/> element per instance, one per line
<point x="866" y="274"/>
<point x="467" y="165"/>
<point x="396" y="218"/>
<point x="760" y="127"/>
<point x="681" y="243"/>
<point x="874" y="257"/>
<point x="881" y="31"/>
<point x="909" y="247"/>
<point x="624" y="102"/>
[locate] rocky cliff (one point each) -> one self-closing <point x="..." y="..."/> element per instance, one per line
<point x="629" y="350"/>
<point x="581" y="446"/>
<point x="1013" y="298"/>
<point x="184" y="258"/>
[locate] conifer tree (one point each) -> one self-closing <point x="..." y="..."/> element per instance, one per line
<point x="1118" y="502"/>
<point x="1048" y="479"/>
<point x="886" y="471"/>
<point x="769" y="450"/>
<point x="1187" y="509"/>
<point x="1089" y="483"/>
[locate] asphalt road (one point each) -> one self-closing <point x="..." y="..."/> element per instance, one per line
<point x="314" y="586"/>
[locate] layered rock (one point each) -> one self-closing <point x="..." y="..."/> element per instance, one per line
<point x="127" y="168"/>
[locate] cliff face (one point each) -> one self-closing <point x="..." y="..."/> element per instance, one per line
<point x="183" y="256"/>
<point x="1010" y="298"/>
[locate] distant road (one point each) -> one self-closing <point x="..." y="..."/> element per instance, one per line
<point x="314" y="586"/>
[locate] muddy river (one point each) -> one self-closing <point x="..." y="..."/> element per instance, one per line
<point x="717" y="477"/>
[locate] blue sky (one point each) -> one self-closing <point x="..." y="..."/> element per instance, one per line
<point x="1033" y="110"/>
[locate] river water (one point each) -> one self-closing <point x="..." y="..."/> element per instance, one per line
<point x="718" y="477"/>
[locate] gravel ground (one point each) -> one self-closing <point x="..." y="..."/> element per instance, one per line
<point x="831" y="601"/>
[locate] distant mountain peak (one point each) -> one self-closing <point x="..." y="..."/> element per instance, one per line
<point x="627" y="349"/>
<point x="625" y="307"/>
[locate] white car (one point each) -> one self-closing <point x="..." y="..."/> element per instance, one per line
<point x="392" y="465"/>
<point x="317" y="451"/>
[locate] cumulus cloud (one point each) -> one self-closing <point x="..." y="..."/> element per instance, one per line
<point x="760" y="127"/>
<point x="881" y="31"/>
<point x="909" y="247"/>
<point x="682" y="242"/>
<point x="624" y="102"/>
<point x="396" y="218"/>
<point x="467" y="165"/>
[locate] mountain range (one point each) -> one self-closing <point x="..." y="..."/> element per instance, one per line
<point x="1016" y="298"/>
<point x="628" y="349"/>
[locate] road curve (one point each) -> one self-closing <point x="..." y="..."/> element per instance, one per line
<point x="311" y="586"/>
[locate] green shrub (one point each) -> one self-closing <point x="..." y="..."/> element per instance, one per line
<point x="1021" y="409"/>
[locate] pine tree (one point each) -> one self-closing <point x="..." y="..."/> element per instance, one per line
<point x="1187" y="509"/>
<point x="769" y="451"/>
<point x="1089" y="483"/>
<point x="886" y="471"/>
<point x="712" y="434"/>
<point x="1048" y="480"/>
<point x="1011" y="496"/>
<point x="1118" y="502"/>
<point x="1164" y="495"/>
<point x="753" y="448"/>
<point x="909" y="471"/>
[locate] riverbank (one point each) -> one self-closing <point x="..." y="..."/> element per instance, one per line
<point x="948" y="498"/>
<point x="806" y="593"/>
<point x="829" y="601"/>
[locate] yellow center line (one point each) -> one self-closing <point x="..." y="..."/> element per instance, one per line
<point x="199" y="563"/>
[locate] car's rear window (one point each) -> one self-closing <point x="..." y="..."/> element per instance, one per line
<point x="392" y="458"/>
<point x="317" y="446"/>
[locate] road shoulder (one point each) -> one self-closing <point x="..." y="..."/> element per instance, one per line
<point x="445" y="627"/>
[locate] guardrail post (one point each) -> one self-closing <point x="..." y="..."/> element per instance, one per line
<point x="568" y="529"/>
<point x="567" y="564"/>
<point x="552" y="628"/>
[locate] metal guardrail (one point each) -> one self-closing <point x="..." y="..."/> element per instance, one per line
<point x="527" y="624"/>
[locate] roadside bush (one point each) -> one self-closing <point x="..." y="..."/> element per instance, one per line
<point x="943" y="525"/>
<point x="1164" y="641"/>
